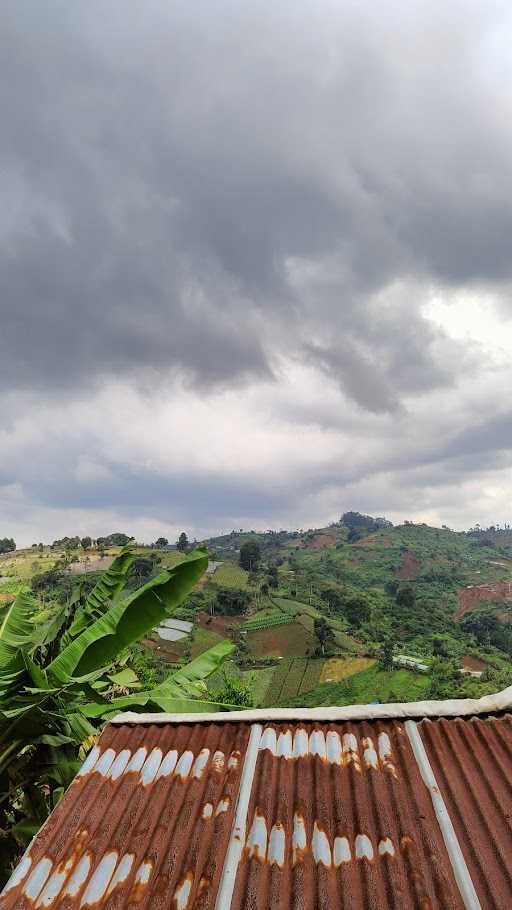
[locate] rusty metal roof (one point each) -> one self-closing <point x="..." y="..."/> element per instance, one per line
<point x="295" y="815"/>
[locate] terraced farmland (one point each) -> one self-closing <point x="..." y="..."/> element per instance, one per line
<point x="291" y="678"/>
<point x="266" y="622"/>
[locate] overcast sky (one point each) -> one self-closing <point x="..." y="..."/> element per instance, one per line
<point x="255" y="264"/>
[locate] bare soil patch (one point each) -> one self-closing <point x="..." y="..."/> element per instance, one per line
<point x="322" y="542"/>
<point x="283" y="641"/>
<point x="472" y="663"/>
<point x="410" y="566"/>
<point x="222" y="625"/>
<point x="169" y="652"/>
<point x="469" y="598"/>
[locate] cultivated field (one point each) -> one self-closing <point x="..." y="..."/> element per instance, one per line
<point x="229" y="575"/>
<point x="335" y="669"/>
<point x="290" y="640"/>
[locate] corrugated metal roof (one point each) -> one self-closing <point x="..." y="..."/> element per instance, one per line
<point x="472" y="762"/>
<point x="146" y="822"/>
<point x="296" y="815"/>
<point x="339" y="817"/>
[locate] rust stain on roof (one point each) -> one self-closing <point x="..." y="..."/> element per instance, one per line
<point x="339" y="817"/>
<point x="472" y="762"/>
<point x="289" y="815"/>
<point x="132" y="830"/>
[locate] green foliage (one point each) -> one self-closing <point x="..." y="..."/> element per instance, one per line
<point x="273" y="577"/>
<point x="386" y="655"/>
<point x="367" y="686"/>
<point x="117" y="539"/>
<point x="60" y="677"/>
<point x="267" y="621"/>
<point x="182" y="543"/>
<point x="250" y="555"/>
<point x="104" y="592"/>
<point x="7" y="545"/>
<point x="324" y="634"/>
<point x="16" y="634"/>
<point x="355" y="520"/>
<point x="236" y="692"/>
<point x="66" y="543"/>
<point x="230" y="602"/>
<point x="143" y="567"/>
<point x="487" y="628"/>
<point x="406" y="597"/>
<point x="444" y="673"/>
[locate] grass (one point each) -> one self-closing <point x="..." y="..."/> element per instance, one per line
<point x="22" y="566"/>
<point x="202" y="639"/>
<point x="336" y="669"/>
<point x="367" y="686"/>
<point x="170" y="558"/>
<point x="229" y="575"/>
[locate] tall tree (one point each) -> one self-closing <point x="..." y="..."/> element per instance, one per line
<point x="250" y="555"/>
<point x="386" y="654"/>
<point x="323" y="632"/>
<point x="7" y="545"/>
<point x="182" y="543"/>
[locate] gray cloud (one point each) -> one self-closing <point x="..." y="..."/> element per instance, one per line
<point x="163" y="168"/>
<point x="196" y="194"/>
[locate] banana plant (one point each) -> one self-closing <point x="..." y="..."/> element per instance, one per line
<point x="56" y="683"/>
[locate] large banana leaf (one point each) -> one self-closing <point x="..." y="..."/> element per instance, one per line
<point x="171" y="705"/>
<point x="184" y="681"/>
<point x="176" y="693"/>
<point x="15" y="634"/>
<point x="128" y="620"/>
<point x="108" y="587"/>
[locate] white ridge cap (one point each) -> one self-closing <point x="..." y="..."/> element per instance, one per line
<point x="488" y="704"/>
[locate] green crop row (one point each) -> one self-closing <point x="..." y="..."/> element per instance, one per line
<point x="256" y="625"/>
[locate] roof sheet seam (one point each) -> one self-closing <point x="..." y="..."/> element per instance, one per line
<point x="462" y="707"/>
<point x="453" y="848"/>
<point x="237" y="836"/>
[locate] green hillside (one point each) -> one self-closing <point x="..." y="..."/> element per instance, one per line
<point x="324" y="616"/>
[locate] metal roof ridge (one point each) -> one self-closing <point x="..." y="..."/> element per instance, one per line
<point x="462" y="707"/>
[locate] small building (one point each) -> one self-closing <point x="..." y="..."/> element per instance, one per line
<point x="392" y="807"/>
<point x="476" y="674"/>
<point x="402" y="660"/>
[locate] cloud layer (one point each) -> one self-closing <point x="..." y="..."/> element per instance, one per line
<point x="232" y="245"/>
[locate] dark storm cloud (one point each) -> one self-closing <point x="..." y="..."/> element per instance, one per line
<point x="174" y="174"/>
